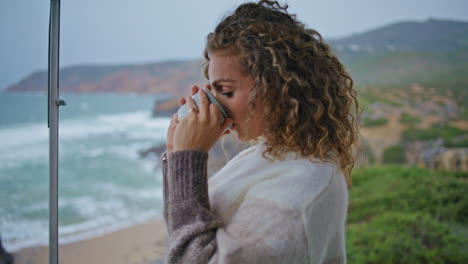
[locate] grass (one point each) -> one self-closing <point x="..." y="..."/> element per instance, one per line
<point x="407" y="215"/>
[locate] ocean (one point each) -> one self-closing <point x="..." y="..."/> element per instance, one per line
<point x="103" y="183"/>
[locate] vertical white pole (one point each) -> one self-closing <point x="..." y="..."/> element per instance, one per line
<point x="53" y="104"/>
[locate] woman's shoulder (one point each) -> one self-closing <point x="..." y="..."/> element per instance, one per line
<point x="297" y="183"/>
<point x="290" y="166"/>
<point x="292" y="181"/>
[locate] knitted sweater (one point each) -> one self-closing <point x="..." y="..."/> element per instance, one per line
<point x="254" y="210"/>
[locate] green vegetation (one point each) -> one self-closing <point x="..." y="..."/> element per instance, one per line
<point x="363" y="103"/>
<point x="369" y="95"/>
<point x="408" y="119"/>
<point x="404" y="238"/>
<point x="394" y="155"/>
<point x="458" y="142"/>
<point x="375" y="122"/>
<point x="447" y="133"/>
<point x="368" y="154"/>
<point x="407" y="215"/>
<point x="442" y="71"/>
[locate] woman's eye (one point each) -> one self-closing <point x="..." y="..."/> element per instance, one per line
<point x="227" y="94"/>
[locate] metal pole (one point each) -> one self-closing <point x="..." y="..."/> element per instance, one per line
<point x="53" y="112"/>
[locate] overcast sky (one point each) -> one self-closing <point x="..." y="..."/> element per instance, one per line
<point x="138" y="31"/>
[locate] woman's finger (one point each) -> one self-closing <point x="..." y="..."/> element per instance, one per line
<point x="192" y="107"/>
<point x="208" y="86"/>
<point x="195" y="90"/>
<point x="175" y="119"/>
<point x="170" y="132"/>
<point x="204" y="105"/>
<point x="182" y="101"/>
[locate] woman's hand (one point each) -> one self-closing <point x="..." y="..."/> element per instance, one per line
<point x="174" y="121"/>
<point x="198" y="131"/>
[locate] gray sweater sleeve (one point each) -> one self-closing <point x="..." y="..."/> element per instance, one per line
<point x="191" y="225"/>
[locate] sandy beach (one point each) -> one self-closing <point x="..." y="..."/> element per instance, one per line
<point x="145" y="243"/>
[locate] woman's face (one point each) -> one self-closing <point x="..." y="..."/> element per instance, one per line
<point x="232" y="89"/>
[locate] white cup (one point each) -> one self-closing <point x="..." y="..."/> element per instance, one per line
<point x="183" y="110"/>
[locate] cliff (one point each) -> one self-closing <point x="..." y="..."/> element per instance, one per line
<point x="169" y="77"/>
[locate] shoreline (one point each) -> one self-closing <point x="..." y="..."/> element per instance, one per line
<point x="144" y="243"/>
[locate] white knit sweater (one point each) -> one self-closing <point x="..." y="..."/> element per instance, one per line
<point x="262" y="211"/>
<point x="289" y="211"/>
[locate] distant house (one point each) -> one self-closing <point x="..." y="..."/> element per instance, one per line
<point x="452" y="159"/>
<point x="433" y="155"/>
<point x="422" y="153"/>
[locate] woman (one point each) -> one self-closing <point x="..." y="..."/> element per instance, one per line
<point x="284" y="200"/>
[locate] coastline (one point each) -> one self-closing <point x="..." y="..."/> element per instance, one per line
<point x="144" y="243"/>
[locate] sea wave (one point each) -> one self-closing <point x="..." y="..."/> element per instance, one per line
<point x="97" y="217"/>
<point x="33" y="133"/>
<point x="30" y="142"/>
<point x="102" y="139"/>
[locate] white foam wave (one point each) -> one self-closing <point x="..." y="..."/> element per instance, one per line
<point x="95" y="228"/>
<point x="16" y="157"/>
<point x="25" y="135"/>
<point x="134" y="194"/>
<point x="30" y="142"/>
<point x="107" y="124"/>
<point x="101" y="217"/>
<point x="89" y="207"/>
<point x="93" y="153"/>
<point x="35" y="233"/>
<point x="36" y="207"/>
<point x="24" y="233"/>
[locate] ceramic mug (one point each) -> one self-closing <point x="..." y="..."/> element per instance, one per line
<point x="183" y="110"/>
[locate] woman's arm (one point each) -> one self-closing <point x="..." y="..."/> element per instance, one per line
<point x="187" y="213"/>
<point x="191" y="225"/>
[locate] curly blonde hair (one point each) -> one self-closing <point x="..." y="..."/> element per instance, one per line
<point x="308" y="96"/>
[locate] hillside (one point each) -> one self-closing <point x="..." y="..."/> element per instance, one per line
<point x="431" y="35"/>
<point x="433" y="53"/>
<point x="172" y="77"/>
<point x="443" y="71"/>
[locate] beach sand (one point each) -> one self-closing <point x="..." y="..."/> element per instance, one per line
<point x="145" y="243"/>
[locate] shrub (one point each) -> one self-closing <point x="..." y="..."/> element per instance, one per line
<point x="457" y="142"/>
<point x="404" y="238"/>
<point x="409" y="119"/>
<point x="445" y="132"/>
<point x="394" y="155"/>
<point x="440" y="194"/>
<point x="375" y="122"/>
<point x="407" y="215"/>
<point x="367" y="153"/>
